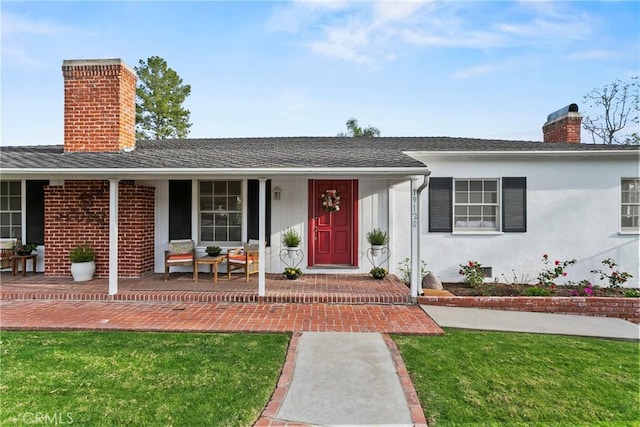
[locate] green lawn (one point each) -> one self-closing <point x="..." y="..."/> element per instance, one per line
<point x="491" y="378"/>
<point x="110" y="378"/>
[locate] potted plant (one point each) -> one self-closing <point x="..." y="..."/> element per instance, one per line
<point x="377" y="239"/>
<point x="292" y="273"/>
<point x="213" y="250"/>
<point x="378" y="272"/>
<point x="291" y="239"/>
<point x="83" y="264"/>
<point x="26" y="249"/>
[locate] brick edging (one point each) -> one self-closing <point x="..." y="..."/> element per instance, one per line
<point x="622" y="308"/>
<point x="415" y="408"/>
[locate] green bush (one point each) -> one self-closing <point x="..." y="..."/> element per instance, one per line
<point x="377" y="237"/>
<point x="537" y="291"/>
<point x="82" y="253"/>
<point x="291" y="238"/>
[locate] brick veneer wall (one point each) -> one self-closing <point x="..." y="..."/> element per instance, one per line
<point x="99" y="105"/>
<point x="623" y="308"/>
<point x="566" y="129"/>
<point x="78" y="213"/>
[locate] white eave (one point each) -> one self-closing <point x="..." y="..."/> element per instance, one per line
<point x="164" y="173"/>
<point x="520" y="154"/>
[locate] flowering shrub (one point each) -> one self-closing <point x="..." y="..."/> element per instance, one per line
<point x="585" y="290"/>
<point x="378" y="272"/>
<point x="548" y="276"/>
<point x="405" y="268"/>
<point x="473" y="274"/>
<point x="616" y="279"/>
<point x="290" y="271"/>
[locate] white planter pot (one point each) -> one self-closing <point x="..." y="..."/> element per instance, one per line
<point x="292" y="251"/>
<point x="83" y="271"/>
<point x="376" y="249"/>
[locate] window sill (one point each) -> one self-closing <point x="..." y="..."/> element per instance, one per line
<point x="477" y="233"/>
<point x="629" y="232"/>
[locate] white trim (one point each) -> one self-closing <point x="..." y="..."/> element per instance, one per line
<point x="262" y="209"/>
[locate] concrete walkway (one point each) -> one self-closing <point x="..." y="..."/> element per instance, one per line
<point x="344" y="379"/>
<point x="540" y="323"/>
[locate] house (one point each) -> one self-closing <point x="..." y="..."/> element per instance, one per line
<point x="442" y="200"/>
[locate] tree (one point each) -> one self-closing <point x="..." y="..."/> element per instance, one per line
<point x="353" y="130"/>
<point x="159" y="97"/>
<point x="619" y="102"/>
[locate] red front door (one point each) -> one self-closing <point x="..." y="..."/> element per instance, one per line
<point x="333" y="233"/>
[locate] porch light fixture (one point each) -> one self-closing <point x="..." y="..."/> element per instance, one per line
<point x="277" y="192"/>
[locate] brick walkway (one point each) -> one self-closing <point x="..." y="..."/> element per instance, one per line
<point x="213" y="317"/>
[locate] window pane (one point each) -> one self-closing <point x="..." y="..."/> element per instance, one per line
<point x="206" y="203"/>
<point x="462" y="186"/>
<point x="490" y="186"/>
<point x="220" y="203"/>
<point x="475" y="197"/>
<point x="206" y="219"/>
<point x="221" y="234"/>
<point x="491" y="197"/>
<point x="475" y="185"/>
<point x="234" y="188"/>
<point x="235" y="219"/>
<point x="221" y="220"/>
<point x="206" y="234"/>
<point x="14" y="203"/>
<point x="220" y="187"/>
<point x="16" y="219"/>
<point x="462" y="197"/>
<point x="234" y="234"/>
<point x="206" y="188"/>
<point x="475" y="210"/>
<point x="233" y="203"/>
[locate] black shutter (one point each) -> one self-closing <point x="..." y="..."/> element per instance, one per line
<point x="440" y="217"/>
<point x="35" y="211"/>
<point x="514" y="205"/>
<point x="253" y="203"/>
<point x="179" y="210"/>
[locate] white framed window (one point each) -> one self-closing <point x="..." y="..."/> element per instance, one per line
<point x="630" y="204"/>
<point x="10" y="209"/>
<point x="476" y="205"/>
<point x="220" y="211"/>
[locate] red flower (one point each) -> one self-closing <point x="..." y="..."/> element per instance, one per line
<point x="557" y="262"/>
<point x="564" y="274"/>
<point x="545" y="256"/>
<point x="470" y="263"/>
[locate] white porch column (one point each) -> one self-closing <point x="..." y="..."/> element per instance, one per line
<point x="415" y="238"/>
<point x="113" y="236"/>
<point x="262" y="211"/>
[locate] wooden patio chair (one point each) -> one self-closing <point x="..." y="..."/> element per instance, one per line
<point x="246" y="258"/>
<point x="6" y="251"/>
<point x="179" y="253"/>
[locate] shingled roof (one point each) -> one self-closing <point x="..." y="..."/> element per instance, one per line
<point x="276" y="153"/>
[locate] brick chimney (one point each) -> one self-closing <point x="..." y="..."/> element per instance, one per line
<point x="99" y="105"/>
<point x="563" y="125"/>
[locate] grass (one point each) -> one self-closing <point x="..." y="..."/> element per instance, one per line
<point x="492" y="378"/>
<point x="109" y="379"/>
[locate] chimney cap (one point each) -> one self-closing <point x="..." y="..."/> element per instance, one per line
<point x="571" y="108"/>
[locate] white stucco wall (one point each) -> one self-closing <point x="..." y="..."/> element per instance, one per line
<point x="573" y="212"/>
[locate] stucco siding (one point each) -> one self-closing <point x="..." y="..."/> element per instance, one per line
<point x="573" y="212"/>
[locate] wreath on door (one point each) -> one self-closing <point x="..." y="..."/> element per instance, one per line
<point x="330" y="201"/>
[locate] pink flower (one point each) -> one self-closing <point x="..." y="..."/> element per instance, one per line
<point x="470" y="263"/>
<point x="557" y="262"/>
<point x="564" y="274"/>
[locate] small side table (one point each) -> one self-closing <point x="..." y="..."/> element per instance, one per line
<point x="213" y="262"/>
<point x="24" y="258"/>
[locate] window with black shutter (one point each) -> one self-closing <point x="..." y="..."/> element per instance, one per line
<point x="35" y="211"/>
<point x="514" y="204"/>
<point x="253" y="202"/>
<point x="179" y="209"/>
<point x="440" y="215"/>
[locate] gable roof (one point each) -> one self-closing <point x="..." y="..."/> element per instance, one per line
<point x="292" y="154"/>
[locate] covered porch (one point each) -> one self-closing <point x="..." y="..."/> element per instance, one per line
<point x="309" y="288"/>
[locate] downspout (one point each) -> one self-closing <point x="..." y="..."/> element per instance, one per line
<point x="415" y="236"/>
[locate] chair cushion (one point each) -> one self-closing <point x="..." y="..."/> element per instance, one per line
<point x="180" y="258"/>
<point x="181" y="246"/>
<point x="7" y="243"/>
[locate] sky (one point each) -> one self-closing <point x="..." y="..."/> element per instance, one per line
<point x="482" y="69"/>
